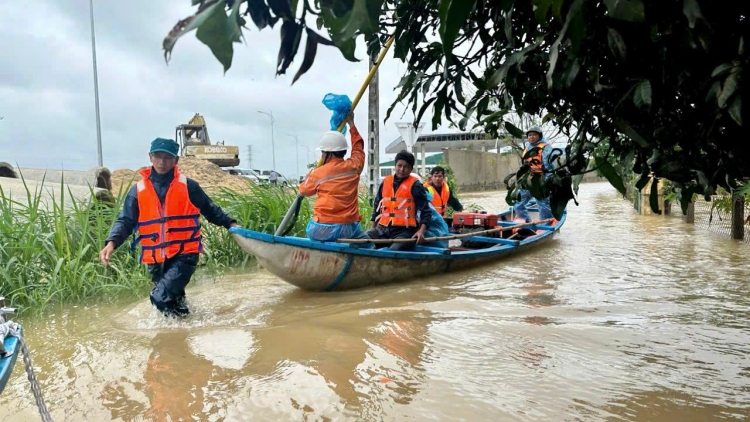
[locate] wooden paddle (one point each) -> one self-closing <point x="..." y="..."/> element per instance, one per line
<point x="452" y="237"/>
<point x="293" y="212"/>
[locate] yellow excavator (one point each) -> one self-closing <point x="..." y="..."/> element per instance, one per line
<point x="194" y="142"/>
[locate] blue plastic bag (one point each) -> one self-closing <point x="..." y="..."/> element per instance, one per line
<point x="341" y="106"/>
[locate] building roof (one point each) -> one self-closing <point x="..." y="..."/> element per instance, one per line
<point x="430" y="160"/>
<point x="436" y="142"/>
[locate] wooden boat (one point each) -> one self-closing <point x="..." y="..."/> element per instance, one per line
<point x="9" y="350"/>
<point x="326" y="266"/>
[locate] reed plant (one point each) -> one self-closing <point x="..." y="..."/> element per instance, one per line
<point x="50" y="242"/>
<point x="49" y="249"/>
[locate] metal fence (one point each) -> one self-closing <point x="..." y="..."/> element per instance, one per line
<point x="715" y="219"/>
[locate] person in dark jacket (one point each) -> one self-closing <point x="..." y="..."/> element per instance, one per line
<point x="399" y="197"/>
<point x="164" y="208"/>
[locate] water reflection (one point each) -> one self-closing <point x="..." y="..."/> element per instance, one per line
<point x="621" y="317"/>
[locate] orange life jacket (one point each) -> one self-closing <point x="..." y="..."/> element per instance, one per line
<point x="399" y="208"/>
<point x="169" y="229"/>
<point x="535" y="160"/>
<point x="336" y="183"/>
<point x="439" y="201"/>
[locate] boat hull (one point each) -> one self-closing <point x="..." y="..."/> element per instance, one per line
<point x="12" y="346"/>
<point x="327" y="266"/>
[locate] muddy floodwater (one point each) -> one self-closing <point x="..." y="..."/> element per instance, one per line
<point x="620" y="318"/>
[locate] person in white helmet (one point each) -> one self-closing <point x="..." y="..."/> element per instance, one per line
<point x="336" y="183"/>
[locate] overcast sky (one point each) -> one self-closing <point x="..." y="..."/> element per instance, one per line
<point x="47" y="90"/>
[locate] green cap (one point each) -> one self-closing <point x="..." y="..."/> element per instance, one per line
<point x="164" y="145"/>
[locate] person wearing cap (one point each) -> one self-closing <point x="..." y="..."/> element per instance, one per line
<point x="336" y="184"/>
<point x="164" y="208"/>
<point x="539" y="162"/>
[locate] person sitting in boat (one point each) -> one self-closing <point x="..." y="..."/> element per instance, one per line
<point x="442" y="196"/>
<point x="336" y="183"/>
<point x="540" y="163"/>
<point x="398" y="200"/>
<point x="164" y="208"/>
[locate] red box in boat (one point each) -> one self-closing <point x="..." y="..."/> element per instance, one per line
<point x="474" y="219"/>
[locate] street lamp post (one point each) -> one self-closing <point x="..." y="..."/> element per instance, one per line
<point x="96" y="87"/>
<point x="296" y="151"/>
<point x="273" y="145"/>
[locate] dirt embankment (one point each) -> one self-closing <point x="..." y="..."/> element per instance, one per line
<point x="208" y="175"/>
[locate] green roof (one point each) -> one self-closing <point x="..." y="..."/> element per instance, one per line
<point x="430" y="160"/>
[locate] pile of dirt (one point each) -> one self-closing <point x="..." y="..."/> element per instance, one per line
<point x="210" y="176"/>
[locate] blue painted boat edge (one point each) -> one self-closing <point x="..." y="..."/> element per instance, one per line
<point x="306" y="243"/>
<point x="342" y="274"/>
<point x="8" y="363"/>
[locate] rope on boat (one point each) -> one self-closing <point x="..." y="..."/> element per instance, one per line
<point x="35" y="388"/>
<point x="452" y="237"/>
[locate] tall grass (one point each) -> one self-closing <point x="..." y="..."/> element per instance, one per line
<point x="49" y="250"/>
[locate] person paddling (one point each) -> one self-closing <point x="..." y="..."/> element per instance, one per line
<point x="164" y="208"/>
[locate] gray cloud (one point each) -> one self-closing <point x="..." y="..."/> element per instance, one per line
<point x="46" y="86"/>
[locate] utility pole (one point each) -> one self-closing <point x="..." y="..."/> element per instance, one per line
<point x="296" y="152"/>
<point x="373" y="166"/>
<point x="273" y="144"/>
<point x="96" y="87"/>
<point x="250" y="156"/>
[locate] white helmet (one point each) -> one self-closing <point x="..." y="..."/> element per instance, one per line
<point x="333" y="141"/>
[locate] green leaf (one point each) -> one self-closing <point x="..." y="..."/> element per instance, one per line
<point x="537" y="186"/>
<point x="721" y="69"/>
<point x="642" y="182"/>
<point x="735" y="110"/>
<point x="616" y="44"/>
<point x="541" y="10"/>
<point x="205" y="11"/>
<point x="642" y="94"/>
<point x="513" y="130"/>
<point x="334" y="26"/>
<point x="692" y="11"/>
<point x="423" y="109"/>
<point x="730" y="85"/>
<point x="653" y="198"/>
<point x="311" y="48"/>
<point x="626" y="10"/>
<point x="282" y="9"/>
<point x="364" y="18"/>
<point x="260" y="14"/>
<point x="217" y="33"/>
<point x="439" y="104"/>
<point x="631" y="133"/>
<point x="572" y="73"/>
<point x="610" y="174"/>
<point x="453" y="14"/>
<point x="291" y="35"/>
<point x="557" y="8"/>
<point x="574" y="10"/>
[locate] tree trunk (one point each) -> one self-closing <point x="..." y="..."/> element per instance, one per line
<point x="690" y="217"/>
<point x="738" y="217"/>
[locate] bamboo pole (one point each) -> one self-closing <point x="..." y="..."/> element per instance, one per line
<point x="437" y="238"/>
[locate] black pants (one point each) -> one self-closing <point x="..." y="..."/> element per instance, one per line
<point x="170" y="279"/>
<point x="381" y="232"/>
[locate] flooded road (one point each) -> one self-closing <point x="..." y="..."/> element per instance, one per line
<point x="620" y="318"/>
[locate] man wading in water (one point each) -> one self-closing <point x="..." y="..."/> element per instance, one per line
<point x="164" y="208"/>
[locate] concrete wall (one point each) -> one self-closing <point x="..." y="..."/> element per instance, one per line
<point x="49" y="194"/>
<point x="97" y="177"/>
<point x="480" y="171"/>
